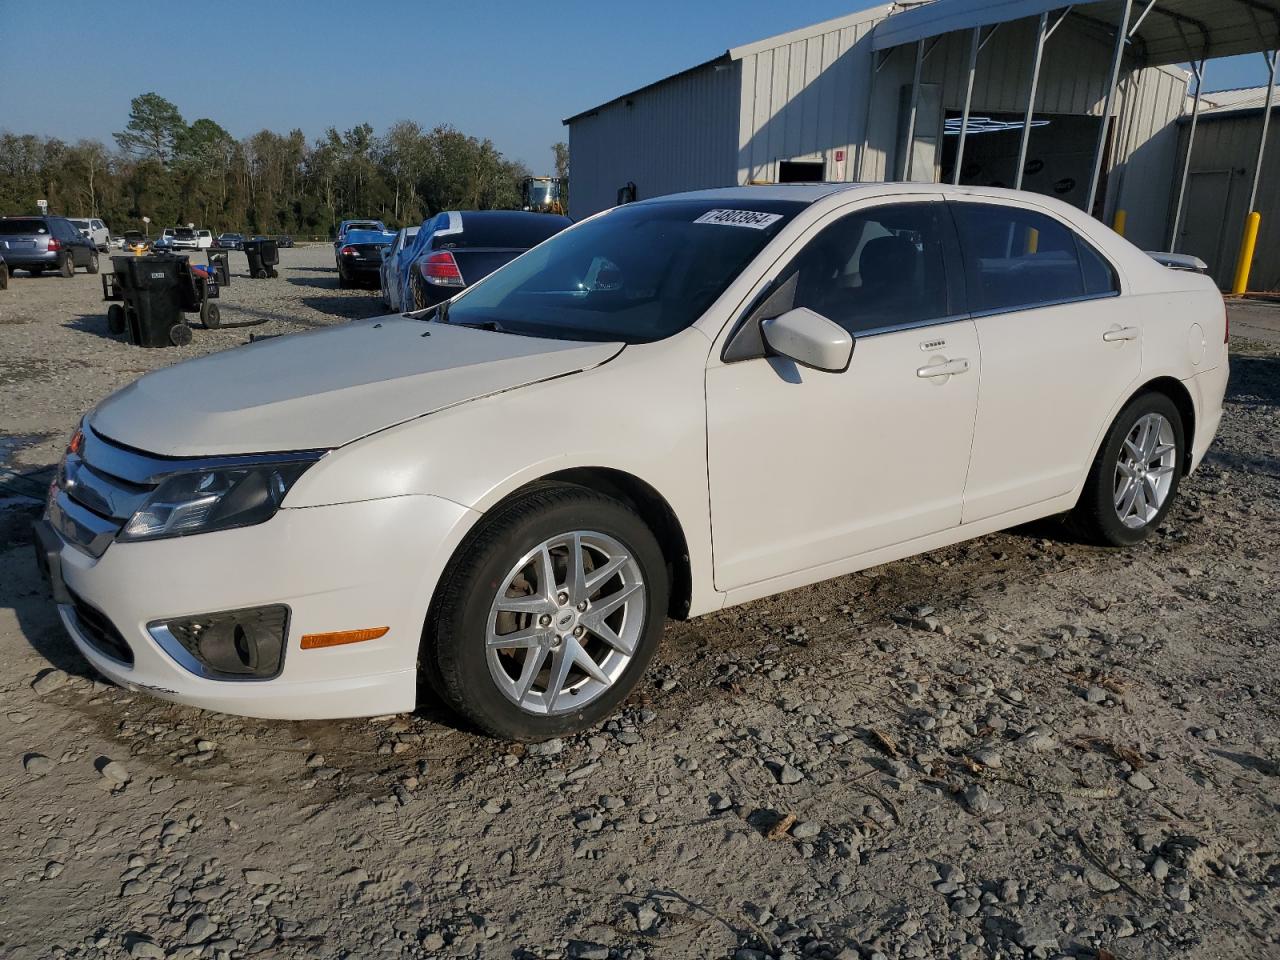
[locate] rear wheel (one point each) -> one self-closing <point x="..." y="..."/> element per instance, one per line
<point x="93" y="262"/>
<point x="67" y="268"/>
<point x="549" y="615"/>
<point x="1135" y="477"/>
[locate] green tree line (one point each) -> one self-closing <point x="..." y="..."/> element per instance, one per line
<point x="177" y="173"/>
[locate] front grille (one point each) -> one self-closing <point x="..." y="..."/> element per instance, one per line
<point x="100" y="631"/>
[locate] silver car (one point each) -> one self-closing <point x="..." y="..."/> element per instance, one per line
<point x="37" y="244"/>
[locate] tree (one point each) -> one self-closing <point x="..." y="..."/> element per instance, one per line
<point x="561" y="153"/>
<point x="155" y="125"/>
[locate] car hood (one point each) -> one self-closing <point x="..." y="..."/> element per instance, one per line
<point x="325" y="388"/>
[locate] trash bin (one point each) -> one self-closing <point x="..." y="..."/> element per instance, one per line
<point x="220" y="261"/>
<point x="263" y="255"/>
<point x="150" y="286"/>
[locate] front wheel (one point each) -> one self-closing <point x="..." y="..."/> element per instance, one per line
<point x="549" y="615"/>
<point x="1134" y="479"/>
<point x="93" y="263"/>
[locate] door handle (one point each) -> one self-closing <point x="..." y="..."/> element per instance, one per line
<point x="1116" y="334"/>
<point x="945" y="369"/>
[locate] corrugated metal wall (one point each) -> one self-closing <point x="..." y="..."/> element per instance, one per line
<point x="1228" y="146"/>
<point x="806" y="98"/>
<point x="1146" y="153"/>
<point x="677" y="135"/>
<point x="814" y="92"/>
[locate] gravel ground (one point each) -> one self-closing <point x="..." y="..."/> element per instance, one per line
<point x="1016" y="747"/>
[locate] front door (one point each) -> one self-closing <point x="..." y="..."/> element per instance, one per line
<point x="809" y="468"/>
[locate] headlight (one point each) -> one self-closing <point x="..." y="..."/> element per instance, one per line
<point x="216" y="499"/>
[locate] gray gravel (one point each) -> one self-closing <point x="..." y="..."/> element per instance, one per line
<point x="1016" y="747"/>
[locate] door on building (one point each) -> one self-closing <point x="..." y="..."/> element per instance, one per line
<point x="1204" y="223"/>
<point x="855" y="480"/>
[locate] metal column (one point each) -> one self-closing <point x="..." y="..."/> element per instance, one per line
<point x="1031" y="99"/>
<point x="1266" y="123"/>
<point x="911" y="117"/>
<point x="974" y="47"/>
<point x="1117" y="58"/>
<point x="1198" y="70"/>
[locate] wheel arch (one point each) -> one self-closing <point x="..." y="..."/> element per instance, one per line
<point x="1180" y="396"/>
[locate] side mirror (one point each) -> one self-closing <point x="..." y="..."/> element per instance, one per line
<point x="810" y="339"/>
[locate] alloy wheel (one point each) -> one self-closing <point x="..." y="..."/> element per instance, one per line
<point x="566" y="622"/>
<point x="1144" y="470"/>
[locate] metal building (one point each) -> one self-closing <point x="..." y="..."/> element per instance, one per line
<point x="1218" y="184"/>
<point x="987" y="92"/>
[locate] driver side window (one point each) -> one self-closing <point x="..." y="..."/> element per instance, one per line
<point x="875" y="269"/>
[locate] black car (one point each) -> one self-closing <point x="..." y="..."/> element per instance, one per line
<point x="459" y="248"/>
<point x="284" y="240"/>
<point x="37" y="244"/>
<point x="229" y="241"/>
<point x="359" y="258"/>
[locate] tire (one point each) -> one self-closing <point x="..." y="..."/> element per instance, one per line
<point x="260" y="275"/>
<point x="115" y="319"/>
<point x="180" y="334"/>
<point x="1129" y="444"/>
<point x="67" y="267"/>
<point x="211" y="316"/>
<point x="343" y="282"/>
<point x="273" y="273"/>
<point x="92" y="266"/>
<point x="419" y="297"/>
<point x="456" y="655"/>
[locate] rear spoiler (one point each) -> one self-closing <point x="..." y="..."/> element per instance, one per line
<point x="1179" y="261"/>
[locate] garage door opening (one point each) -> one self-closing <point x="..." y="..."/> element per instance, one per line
<point x="801" y="171"/>
<point x="1059" y="155"/>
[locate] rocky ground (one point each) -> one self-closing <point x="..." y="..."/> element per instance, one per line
<point x="1017" y="747"/>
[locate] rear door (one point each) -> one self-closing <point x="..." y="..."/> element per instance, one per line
<point x="1059" y="351"/>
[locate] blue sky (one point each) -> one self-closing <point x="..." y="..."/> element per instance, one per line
<point x="501" y="69"/>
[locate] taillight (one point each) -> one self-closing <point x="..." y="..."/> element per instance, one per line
<point x="54" y="244"/>
<point x="442" y="270"/>
<point x="348" y="251"/>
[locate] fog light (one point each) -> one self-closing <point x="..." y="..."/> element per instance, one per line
<point x="244" y="644"/>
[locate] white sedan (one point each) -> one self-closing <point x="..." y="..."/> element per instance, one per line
<point x="672" y="407"/>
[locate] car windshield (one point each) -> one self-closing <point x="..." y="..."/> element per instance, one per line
<point x="363" y="225"/>
<point x="368" y="236"/>
<point x="640" y="273"/>
<point x="186" y="234"/>
<point x="81" y="224"/>
<point x="20" y="227"/>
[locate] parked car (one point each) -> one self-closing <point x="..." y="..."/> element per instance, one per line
<point x="393" y="263"/>
<point x="346" y="225"/>
<point x="284" y="240"/>
<point x="95" y="230"/>
<point x="456" y="249"/>
<point x="359" y="259"/>
<point x="184" y="238"/>
<point x="134" y="241"/>
<point x="37" y="244"/>
<point x="230" y="241"/>
<point x="511" y="493"/>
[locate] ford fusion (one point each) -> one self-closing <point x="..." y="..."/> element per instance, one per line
<point x="669" y="408"/>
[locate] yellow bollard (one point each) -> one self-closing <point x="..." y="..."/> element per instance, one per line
<point x="1247" y="245"/>
<point x="1121" y="221"/>
<point x="1033" y="241"/>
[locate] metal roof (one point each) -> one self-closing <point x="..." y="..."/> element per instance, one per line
<point x="1227" y="101"/>
<point x="1170" y="31"/>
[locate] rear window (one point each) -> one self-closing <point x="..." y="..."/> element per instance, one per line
<point x="510" y="232"/>
<point x="639" y="273"/>
<point x="82" y="224"/>
<point x="20" y="227"/>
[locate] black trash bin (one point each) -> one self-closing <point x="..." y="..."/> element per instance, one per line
<point x="151" y="288"/>
<point x="263" y="255"/>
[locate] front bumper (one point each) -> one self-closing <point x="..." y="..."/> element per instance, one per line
<point x="342" y="567"/>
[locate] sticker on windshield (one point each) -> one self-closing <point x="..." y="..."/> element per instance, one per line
<point x="740" y="218"/>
